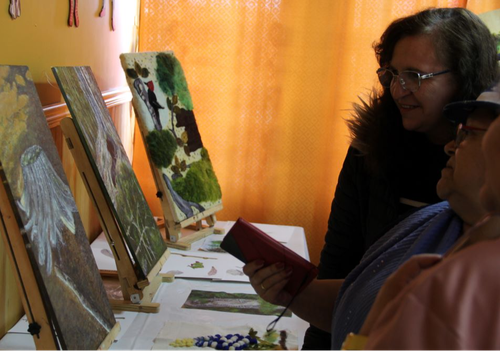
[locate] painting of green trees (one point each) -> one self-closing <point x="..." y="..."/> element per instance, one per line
<point x="165" y="113"/>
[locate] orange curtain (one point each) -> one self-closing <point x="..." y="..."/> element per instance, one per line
<point x="272" y="82"/>
<point x="480" y="6"/>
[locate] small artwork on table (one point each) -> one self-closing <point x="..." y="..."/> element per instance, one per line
<point x="212" y="244"/>
<point x="32" y="173"/>
<point x="235" y="303"/>
<point x="166" y="119"/>
<point x="111" y="165"/>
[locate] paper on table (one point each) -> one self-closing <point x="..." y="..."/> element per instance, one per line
<point x="188" y="264"/>
<point x="125" y="319"/>
<point x="21" y="326"/>
<point x="204" y="265"/>
<point x="102" y="254"/>
<point x="225" y="267"/>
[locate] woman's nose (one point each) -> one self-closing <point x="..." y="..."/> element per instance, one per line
<point x="397" y="90"/>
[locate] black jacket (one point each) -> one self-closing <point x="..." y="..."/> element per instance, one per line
<point x="384" y="164"/>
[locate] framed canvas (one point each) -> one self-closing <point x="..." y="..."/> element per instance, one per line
<point x="37" y="198"/>
<point x="111" y="166"/>
<point x="180" y="163"/>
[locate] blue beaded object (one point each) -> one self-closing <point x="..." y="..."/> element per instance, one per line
<point x="227" y="342"/>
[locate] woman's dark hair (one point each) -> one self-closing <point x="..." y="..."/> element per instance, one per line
<point x="461" y="41"/>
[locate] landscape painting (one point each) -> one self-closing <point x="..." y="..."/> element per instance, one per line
<point x="233" y="303"/>
<point x="32" y="173"/>
<point x="164" y="110"/>
<point x="111" y="165"/>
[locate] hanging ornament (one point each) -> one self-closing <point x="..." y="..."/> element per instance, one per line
<point x="103" y="9"/>
<point x="112" y="11"/>
<point x="73" y="13"/>
<point x="15" y="8"/>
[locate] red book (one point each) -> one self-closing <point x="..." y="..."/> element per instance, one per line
<point x="248" y="243"/>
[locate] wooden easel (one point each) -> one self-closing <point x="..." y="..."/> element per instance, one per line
<point x="181" y="235"/>
<point x="41" y="327"/>
<point x="137" y="293"/>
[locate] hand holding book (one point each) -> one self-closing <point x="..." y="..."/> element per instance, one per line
<point x="248" y="243"/>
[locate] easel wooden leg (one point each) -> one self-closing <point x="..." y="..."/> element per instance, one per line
<point x="108" y="341"/>
<point x="120" y="303"/>
<point x="183" y="241"/>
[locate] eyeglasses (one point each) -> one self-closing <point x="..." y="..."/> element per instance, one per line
<point x="463" y="131"/>
<point x="409" y="80"/>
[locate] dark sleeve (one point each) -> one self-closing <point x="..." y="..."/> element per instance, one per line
<point x="343" y="241"/>
<point x="344" y="245"/>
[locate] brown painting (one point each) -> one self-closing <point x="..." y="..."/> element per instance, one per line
<point x="66" y="271"/>
<point x="166" y="118"/>
<point x="111" y="165"/>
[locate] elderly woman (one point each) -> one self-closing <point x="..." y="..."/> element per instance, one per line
<point x="454" y="304"/>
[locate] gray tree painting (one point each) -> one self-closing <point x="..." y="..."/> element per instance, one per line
<point x="48" y="206"/>
<point x="111" y="165"/>
<point x="46" y="203"/>
<point x="68" y="278"/>
<point x="165" y="114"/>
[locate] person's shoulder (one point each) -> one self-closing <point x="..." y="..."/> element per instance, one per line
<point x="461" y="295"/>
<point x="473" y="267"/>
<point x="355" y="161"/>
<point x="482" y="257"/>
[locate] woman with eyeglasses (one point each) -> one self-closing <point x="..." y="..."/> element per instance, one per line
<point x="450" y="302"/>
<point x="426" y="61"/>
<point x="391" y="169"/>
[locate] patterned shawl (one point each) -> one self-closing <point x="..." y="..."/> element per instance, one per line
<point x="433" y="229"/>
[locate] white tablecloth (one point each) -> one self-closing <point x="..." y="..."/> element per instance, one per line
<point x="138" y="330"/>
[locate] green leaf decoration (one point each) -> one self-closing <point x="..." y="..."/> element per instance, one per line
<point x="176" y="170"/>
<point x="132" y="73"/>
<point x="161" y="145"/>
<point x="197" y="264"/>
<point x="172" y="80"/>
<point x="200" y="183"/>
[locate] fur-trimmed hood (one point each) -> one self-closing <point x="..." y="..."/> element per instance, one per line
<point x="376" y="130"/>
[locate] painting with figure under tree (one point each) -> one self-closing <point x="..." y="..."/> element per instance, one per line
<point x="165" y="115"/>
<point x="111" y="165"/>
<point x="67" y="275"/>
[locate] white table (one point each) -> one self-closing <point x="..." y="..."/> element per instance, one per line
<point x="140" y="329"/>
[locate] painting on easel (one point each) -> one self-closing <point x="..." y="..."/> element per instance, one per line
<point x="111" y="165"/>
<point x="54" y="237"/>
<point x="180" y="162"/>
